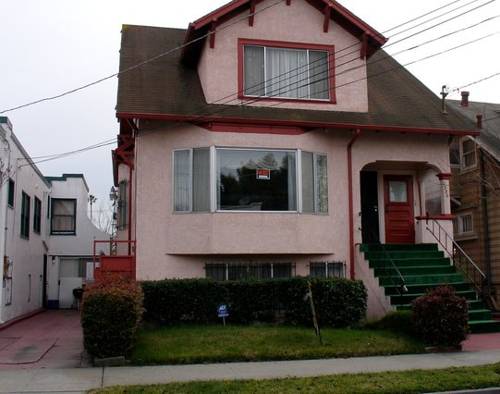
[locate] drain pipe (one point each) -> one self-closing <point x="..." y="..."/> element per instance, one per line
<point x="354" y="137"/>
<point x="486" y="224"/>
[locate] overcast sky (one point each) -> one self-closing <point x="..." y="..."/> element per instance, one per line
<point x="48" y="46"/>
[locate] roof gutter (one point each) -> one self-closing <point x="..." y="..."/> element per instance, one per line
<point x="296" y="123"/>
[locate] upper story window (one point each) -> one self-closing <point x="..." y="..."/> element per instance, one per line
<point x="37" y="216"/>
<point x="63" y="216"/>
<point x="286" y="71"/>
<point x="468" y="153"/>
<point x="25" y="215"/>
<point x="463" y="224"/>
<point x="11" y="192"/>
<point x="244" y="179"/>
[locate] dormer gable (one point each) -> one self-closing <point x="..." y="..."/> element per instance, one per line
<point x="332" y="11"/>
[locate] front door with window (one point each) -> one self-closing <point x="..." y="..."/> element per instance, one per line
<point x="399" y="220"/>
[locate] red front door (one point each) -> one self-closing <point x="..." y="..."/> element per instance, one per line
<point x="399" y="220"/>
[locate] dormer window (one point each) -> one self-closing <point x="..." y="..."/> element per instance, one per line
<point x="286" y="71"/>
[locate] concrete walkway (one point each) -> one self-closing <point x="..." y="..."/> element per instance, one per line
<point x="78" y="380"/>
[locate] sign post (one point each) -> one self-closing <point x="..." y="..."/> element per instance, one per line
<point x="223" y="311"/>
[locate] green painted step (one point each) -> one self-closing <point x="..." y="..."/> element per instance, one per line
<point x="429" y="270"/>
<point x="388" y="247"/>
<point x="472" y="304"/>
<point x="480" y="314"/>
<point x="422" y="288"/>
<point x="483" y="326"/>
<point x="378" y="263"/>
<point x="409" y="297"/>
<point x="404" y="254"/>
<point x="422" y="279"/>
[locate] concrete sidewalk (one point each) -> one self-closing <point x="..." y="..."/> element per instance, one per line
<point x="78" y="380"/>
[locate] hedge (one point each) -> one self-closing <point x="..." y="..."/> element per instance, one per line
<point x="441" y="317"/>
<point x="338" y="302"/>
<point x="111" y="315"/>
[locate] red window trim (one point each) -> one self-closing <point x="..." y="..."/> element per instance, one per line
<point x="290" y="45"/>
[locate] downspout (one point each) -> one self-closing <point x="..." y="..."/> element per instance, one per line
<point x="486" y="223"/>
<point x="351" y="203"/>
<point x="3" y="224"/>
<point x="130" y="166"/>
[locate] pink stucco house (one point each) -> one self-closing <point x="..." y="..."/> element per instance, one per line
<point x="275" y="142"/>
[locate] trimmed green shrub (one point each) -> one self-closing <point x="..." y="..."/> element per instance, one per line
<point x="111" y="314"/>
<point x="441" y="317"/>
<point x="398" y="321"/>
<point x="338" y="302"/>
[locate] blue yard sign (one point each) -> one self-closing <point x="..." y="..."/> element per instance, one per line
<point x="223" y="312"/>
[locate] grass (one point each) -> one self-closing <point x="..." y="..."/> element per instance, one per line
<point x="203" y="344"/>
<point x="407" y="382"/>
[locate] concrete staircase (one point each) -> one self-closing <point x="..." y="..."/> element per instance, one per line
<point x="423" y="267"/>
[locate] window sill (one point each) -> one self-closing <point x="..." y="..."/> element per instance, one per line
<point x="63" y="234"/>
<point x="287" y="99"/>
<point x="466" y="237"/>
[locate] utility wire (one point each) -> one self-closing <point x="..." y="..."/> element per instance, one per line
<point x="65" y="93"/>
<point x="476" y="82"/>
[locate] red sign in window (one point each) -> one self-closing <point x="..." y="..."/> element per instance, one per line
<point x="263" y="174"/>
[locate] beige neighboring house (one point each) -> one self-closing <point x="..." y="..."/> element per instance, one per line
<point x="265" y="150"/>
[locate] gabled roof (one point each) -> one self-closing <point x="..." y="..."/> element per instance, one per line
<point x="490" y="133"/>
<point x="167" y="89"/>
<point x="338" y="13"/>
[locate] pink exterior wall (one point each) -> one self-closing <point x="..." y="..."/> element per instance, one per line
<point x="168" y="242"/>
<point x="177" y="245"/>
<point x="299" y="22"/>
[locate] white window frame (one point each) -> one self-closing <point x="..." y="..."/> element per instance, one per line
<point x="308" y="98"/>
<point x="214" y="179"/>
<point x="459" y="218"/>
<point x="462" y="154"/>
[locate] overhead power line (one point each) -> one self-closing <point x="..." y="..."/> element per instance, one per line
<point x="170" y="51"/>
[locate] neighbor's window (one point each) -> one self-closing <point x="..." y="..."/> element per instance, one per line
<point x="11" y="192"/>
<point x="286" y="73"/>
<point x="256" y="180"/>
<point x="455" y="153"/>
<point x="25" y="215"/>
<point x="327" y="269"/>
<point x="463" y="224"/>
<point x="37" y="216"/>
<point x="248" y="271"/>
<point x="63" y="216"/>
<point x="468" y="153"/>
<point x="314" y="183"/>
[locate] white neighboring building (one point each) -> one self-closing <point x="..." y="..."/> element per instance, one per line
<point x="70" y="257"/>
<point x="46" y="237"/>
<point x="23" y="231"/>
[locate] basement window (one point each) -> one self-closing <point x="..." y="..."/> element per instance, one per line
<point x="327" y="269"/>
<point x="248" y="271"/>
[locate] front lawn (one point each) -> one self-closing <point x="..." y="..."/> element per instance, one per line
<point x="407" y="382"/>
<point x="203" y="344"/>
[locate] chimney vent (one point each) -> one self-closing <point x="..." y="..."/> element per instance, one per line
<point x="479" y="121"/>
<point x="465" y="99"/>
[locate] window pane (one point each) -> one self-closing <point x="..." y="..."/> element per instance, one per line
<point x="454" y="152"/>
<point x="201" y="180"/>
<point x="282" y="270"/>
<point x="321" y="184"/>
<point x="336" y="270"/>
<point x="216" y="271"/>
<point x="63" y="207"/>
<point x="286" y="73"/>
<point x="182" y="179"/>
<point x="317" y="270"/>
<point x="256" y="180"/>
<point x="307" y="182"/>
<point x="63" y="216"/>
<point x="11" y="192"/>
<point x="467" y="223"/>
<point x="254" y="70"/>
<point x="469" y="159"/>
<point x="318" y="74"/>
<point x="397" y="191"/>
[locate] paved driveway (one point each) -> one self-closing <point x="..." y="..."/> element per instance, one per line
<point x="51" y="339"/>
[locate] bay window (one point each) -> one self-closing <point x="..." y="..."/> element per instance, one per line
<point x="244" y="179"/>
<point x="286" y="70"/>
